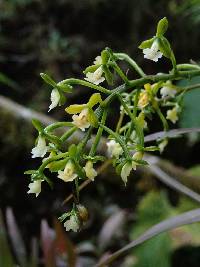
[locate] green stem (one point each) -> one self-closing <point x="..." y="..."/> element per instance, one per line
<point x="66" y="135"/>
<point x="72" y="81"/>
<point x="119" y="124"/>
<point x="138" y="129"/>
<point x="164" y="77"/>
<point x="187" y="67"/>
<point x="56" y="125"/>
<point x="194" y="86"/>
<point x="52" y="138"/>
<point x="98" y="135"/>
<point x="118" y="139"/>
<point x="162" y="118"/>
<point x="133" y="64"/>
<point x="47" y="161"/>
<point x="120" y="72"/>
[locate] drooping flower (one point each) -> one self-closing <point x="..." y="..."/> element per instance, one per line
<point x="143" y="99"/>
<point x="35" y="187"/>
<point x="114" y="149"/>
<point x="162" y="145"/>
<point x="167" y="91"/>
<point x="40" y="149"/>
<point x="125" y="172"/>
<point x="90" y="171"/>
<point x="72" y="224"/>
<point x="137" y="156"/>
<point x="55" y="98"/>
<point x="98" y="60"/>
<point x="152" y="53"/>
<point x="81" y="121"/>
<point x="172" y="114"/>
<point x="96" y="76"/>
<point x="68" y="175"/>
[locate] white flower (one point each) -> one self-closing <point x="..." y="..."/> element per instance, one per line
<point x="95" y="77"/>
<point x="89" y="170"/>
<point x="41" y="149"/>
<point x="72" y="224"/>
<point x="152" y="53"/>
<point x="162" y="145"/>
<point x="98" y="60"/>
<point x="137" y="156"/>
<point x="172" y="114"/>
<point x="35" y="187"/>
<point x="114" y="149"/>
<point x="167" y="91"/>
<point x="81" y="120"/>
<point x="55" y="98"/>
<point x="68" y="175"/>
<point x="125" y="172"/>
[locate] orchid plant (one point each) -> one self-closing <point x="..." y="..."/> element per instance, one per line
<point x="139" y="101"/>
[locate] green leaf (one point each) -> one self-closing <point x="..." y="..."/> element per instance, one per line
<point x="153" y="208"/>
<point x="147" y="43"/>
<point x="108" y="75"/>
<point x="95" y="158"/>
<point x="92" y="118"/>
<point x="151" y="148"/>
<point x="155" y="252"/>
<point x="62" y="99"/>
<point x="162" y="27"/>
<point x="72" y="151"/>
<point x="64" y="216"/>
<point x="65" y="87"/>
<point x="94" y="99"/>
<point x="73" y="109"/>
<point x="91" y="68"/>
<point x="56" y="166"/>
<point x="48" y="79"/>
<point x="38" y="125"/>
<point x="105" y="55"/>
<point x="141" y="162"/>
<point x="164" y="47"/>
<point x="30" y="172"/>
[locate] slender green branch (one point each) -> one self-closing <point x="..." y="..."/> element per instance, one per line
<point x="133" y="64"/>
<point x="138" y="129"/>
<point x="72" y="81"/>
<point x="56" y="125"/>
<point x="119" y="124"/>
<point x="51" y="159"/>
<point x="164" y="77"/>
<point x="191" y="87"/>
<point x="120" y="72"/>
<point x="98" y="135"/>
<point x="187" y="67"/>
<point x="66" y="135"/>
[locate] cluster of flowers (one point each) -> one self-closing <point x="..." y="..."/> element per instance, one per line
<point x="126" y="144"/>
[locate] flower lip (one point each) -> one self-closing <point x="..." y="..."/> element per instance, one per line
<point x="68" y="175"/>
<point x="40" y="149"/>
<point x="55" y="98"/>
<point x="90" y="171"/>
<point x="153" y="53"/>
<point x="35" y="187"/>
<point x="95" y="77"/>
<point x="114" y="149"/>
<point x="72" y="223"/>
<point x="81" y="120"/>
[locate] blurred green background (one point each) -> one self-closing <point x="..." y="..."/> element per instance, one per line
<point x="61" y="38"/>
